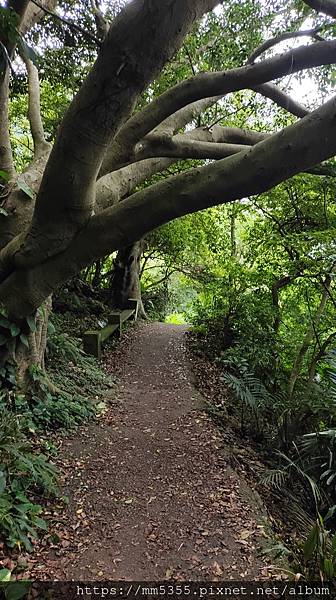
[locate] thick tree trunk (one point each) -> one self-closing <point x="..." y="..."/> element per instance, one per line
<point x="26" y="350"/>
<point x="35" y="354"/>
<point x="126" y="277"/>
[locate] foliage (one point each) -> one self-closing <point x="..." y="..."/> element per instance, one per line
<point x="175" y="319"/>
<point x="318" y="450"/>
<point x="73" y="370"/>
<point x="24" y="476"/>
<point x="250" y="391"/>
<point x="318" y="550"/>
<point x="12" y="590"/>
<point x="266" y="285"/>
<point x="265" y="314"/>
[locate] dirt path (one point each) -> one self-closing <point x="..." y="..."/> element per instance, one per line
<point x="151" y="495"/>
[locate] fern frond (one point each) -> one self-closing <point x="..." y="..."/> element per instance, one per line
<point x="249" y="389"/>
<point x="275" y="478"/>
<point x="312" y="484"/>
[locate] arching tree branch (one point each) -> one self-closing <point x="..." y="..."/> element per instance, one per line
<point x="35" y="13"/>
<point x="288" y="35"/>
<point x="198" y="144"/>
<point x="327" y="7"/>
<point x="252" y="171"/>
<point x="274" y="93"/>
<point x="117" y="185"/>
<point x="69" y="24"/>
<point x="6" y="154"/>
<point x="102" y="24"/>
<point x="210" y="84"/>
<point x="130" y="58"/>
<point x="34" y="109"/>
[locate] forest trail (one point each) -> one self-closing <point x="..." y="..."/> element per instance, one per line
<point x="151" y="493"/>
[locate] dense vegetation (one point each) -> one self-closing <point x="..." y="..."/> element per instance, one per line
<point x="254" y="277"/>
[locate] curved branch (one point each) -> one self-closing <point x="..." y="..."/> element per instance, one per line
<point x="102" y="24"/>
<point x="69" y="24"/>
<point x="252" y="171"/>
<point x="235" y="135"/>
<point x="210" y="84"/>
<point x="117" y="185"/>
<point x="180" y="148"/>
<point x="168" y="127"/>
<point x="274" y="93"/>
<point x="6" y="154"/>
<point x="113" y="187"/>
<point x="140" y="41"/>
<point x="34" y="109"/>
<point x="190" y="145"/>
<point x="327" y="7"/>
<point x="313" y="33"/>
<point x="34" y="14"/>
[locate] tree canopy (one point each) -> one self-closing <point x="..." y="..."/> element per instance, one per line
<point x="159" y="94"/>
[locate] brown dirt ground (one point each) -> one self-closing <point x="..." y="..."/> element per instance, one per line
<point x="152" y="493"/>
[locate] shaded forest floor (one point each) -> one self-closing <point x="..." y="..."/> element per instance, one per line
<point x="152" y="491"/>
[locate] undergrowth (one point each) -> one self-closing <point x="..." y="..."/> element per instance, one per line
<point x="297" y="437"/>
<point x="69" y="393"/>
<point x="26" y="476"/>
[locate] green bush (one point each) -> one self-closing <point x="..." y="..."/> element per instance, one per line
<point x="24" y="477"/>
<point x="75" y="372"/>
<point x="68" y="394"/>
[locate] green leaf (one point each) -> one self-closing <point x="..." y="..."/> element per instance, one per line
<point x="31" y="322"/>
<point x="25" y="188"/>
<point x="41" y="523"/>
<point x="17" y="590"/>
<point x="14" y="329"/>
<point x="26" y="542"/>
<point x="42" y="312"/>
<point x="330" y="512"/>
<point x="51" y="328"/>
<point x="328" y="568"/>
<point x="3" y="212"/>
<point x="24" y="340"/>
<point x="5" y="575"/>
<point x="4" y="175"/>
<point x="331" y="478"/>
<point x="3" y="340"/>
<point x="311" y="543"/>
<point x="2" y="482"/>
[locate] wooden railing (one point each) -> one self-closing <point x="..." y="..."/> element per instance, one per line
<point x="94" y="338"/>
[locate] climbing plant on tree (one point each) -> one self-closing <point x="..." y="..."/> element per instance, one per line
<point x="65" y="210"/>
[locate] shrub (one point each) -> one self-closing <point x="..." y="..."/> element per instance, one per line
<point x="24" y="476"/>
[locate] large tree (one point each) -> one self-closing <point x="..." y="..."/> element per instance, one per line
<point x="87" y="197"/>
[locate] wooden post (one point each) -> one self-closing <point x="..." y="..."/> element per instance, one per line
<point x="92" y="343"/>
<point x="115" y="318"/>
<point x="133" y="303"/>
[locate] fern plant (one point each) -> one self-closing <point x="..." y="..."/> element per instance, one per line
<point x="319" y="450"/>
<point x="250" y="391"/>
<point x="24" y="475"/>
<point x="318" y="551"/>
<point x="275" y="478"/>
